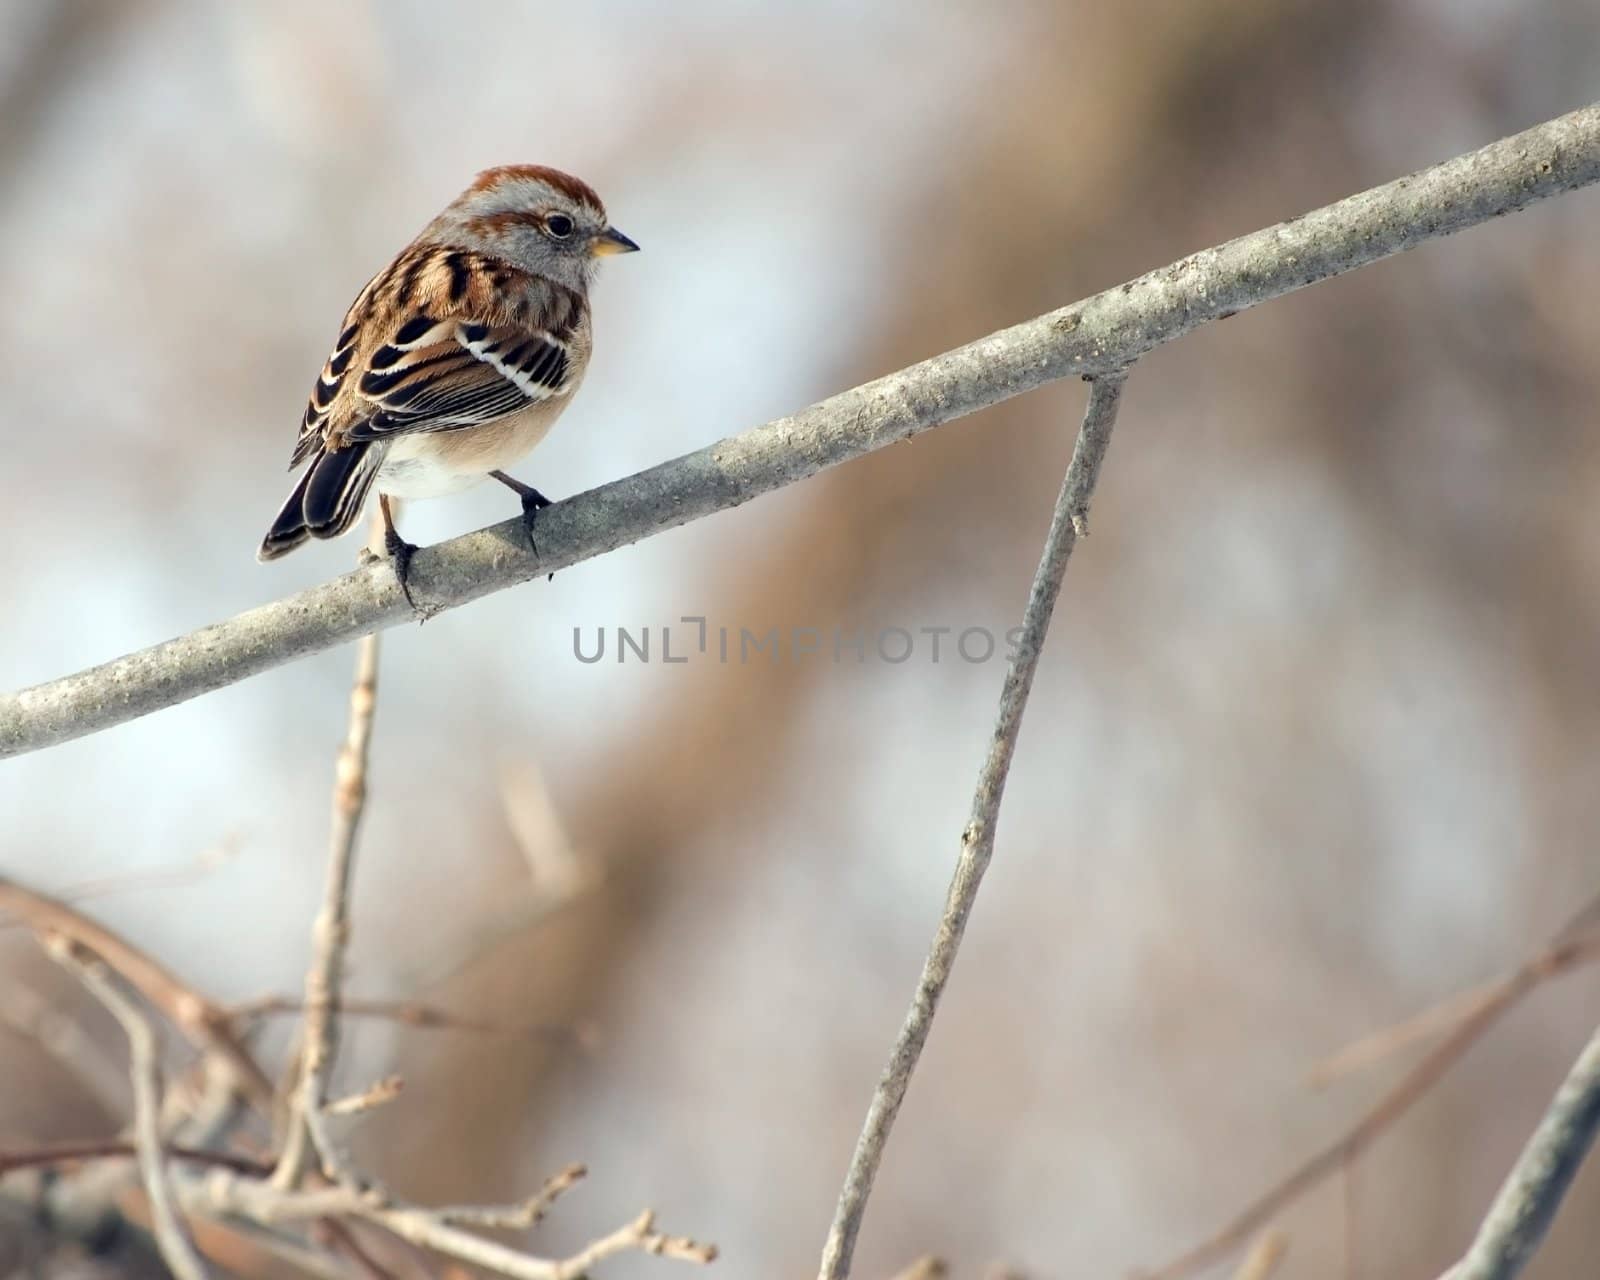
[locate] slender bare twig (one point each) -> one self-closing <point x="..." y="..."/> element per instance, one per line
<point x="1394" y="1104"/>
<point x="54" y="1153"/>
<point x="639" y="1235"/>
<point x="924" y="1268"/>
<point x="378" y="1094"/>
<point x="1097" y="335"/>
<point x="411" y="1013"/>
<point x="140" y="881"/>
<point x="331" y="935"/>
<point x="1264" y="1256"/>
<point x="1440" y="1017"/>
<point x="1527" y="1203"/>
<point x="1067" y="525"/>
<point x="1376" y="1046"/>
<point x="144" y="1067"/>
<point x="202" y="1020"/>
<point x="517" y="1217"/>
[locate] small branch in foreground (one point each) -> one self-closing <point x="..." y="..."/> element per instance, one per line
<point x="331" y="935"/>
<point x="1394" y="1104"/>
<point x="223" y="1192"/>
<point x="239" y="1193"/>
<point x="1527" y="1203"/>
<point x="144" y="1067"/>
<point x="1095" y="336"/>
<point x="1067" y="525"/>
<point x="202" y="1020"/>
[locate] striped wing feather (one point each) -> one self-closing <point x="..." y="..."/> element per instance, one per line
<point x="442" y="340"/>
<point x="455" y="375"/>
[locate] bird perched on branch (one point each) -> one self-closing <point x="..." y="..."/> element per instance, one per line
<point x="455" y="360"/>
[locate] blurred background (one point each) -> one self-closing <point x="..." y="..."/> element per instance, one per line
<point x="1315" y="739"/>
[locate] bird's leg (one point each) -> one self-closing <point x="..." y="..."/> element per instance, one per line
<point x="400" y="553"/>
<point x="533" y="502"/>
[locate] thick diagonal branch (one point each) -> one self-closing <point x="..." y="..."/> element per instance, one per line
<point x="1098" y="335"/>
<point x="977" y="842"/>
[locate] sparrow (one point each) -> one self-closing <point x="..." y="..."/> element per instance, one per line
<point x="455" y="360"/>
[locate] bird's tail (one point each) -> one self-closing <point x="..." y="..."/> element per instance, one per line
<point x="326" y="500"/>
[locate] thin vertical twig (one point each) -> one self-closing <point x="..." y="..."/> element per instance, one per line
<point x="1067" y="525"/>
<point x="1526" y="1205"/>
<point x="144" y="1069"/>
<point x="330" y="937"/>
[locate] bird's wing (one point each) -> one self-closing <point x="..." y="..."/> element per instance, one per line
<point x="441" y="341"/>
<point x="442" y="375"/>
<point x="325" y="394"/>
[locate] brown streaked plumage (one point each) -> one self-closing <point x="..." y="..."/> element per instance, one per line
<point x="456" y="359"/>
<point x="574" y="189"/>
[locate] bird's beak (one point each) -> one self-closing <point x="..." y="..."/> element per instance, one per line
<point x="611" y="241"/>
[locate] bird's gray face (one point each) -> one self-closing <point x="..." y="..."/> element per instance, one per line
<point x="549" y="225"/>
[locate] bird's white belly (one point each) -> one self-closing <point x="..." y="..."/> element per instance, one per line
<point x="433" y="464"/>
<point x="407" y="473"/>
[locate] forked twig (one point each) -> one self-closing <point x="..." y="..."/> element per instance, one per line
<point x="1440" y="1017"/>
<point x="1394" y="1104"/>
<point x="436" y="1230"/>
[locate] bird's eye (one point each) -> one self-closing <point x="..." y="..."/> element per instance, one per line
<point x="558" y="225"/>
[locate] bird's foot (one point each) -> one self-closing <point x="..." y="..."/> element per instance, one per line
<point x="400" y="553"/>
<point x="533" y="502"/>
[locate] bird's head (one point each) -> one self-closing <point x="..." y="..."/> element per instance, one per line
<point x="540" y="220"/>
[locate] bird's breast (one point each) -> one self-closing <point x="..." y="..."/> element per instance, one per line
<point x="433" y="464"/>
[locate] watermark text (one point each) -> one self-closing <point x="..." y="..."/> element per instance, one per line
<point x="692" y="638"/>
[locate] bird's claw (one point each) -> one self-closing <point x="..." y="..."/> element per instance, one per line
<point x="400" y="553"/>
<point x="533" y="502"/>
